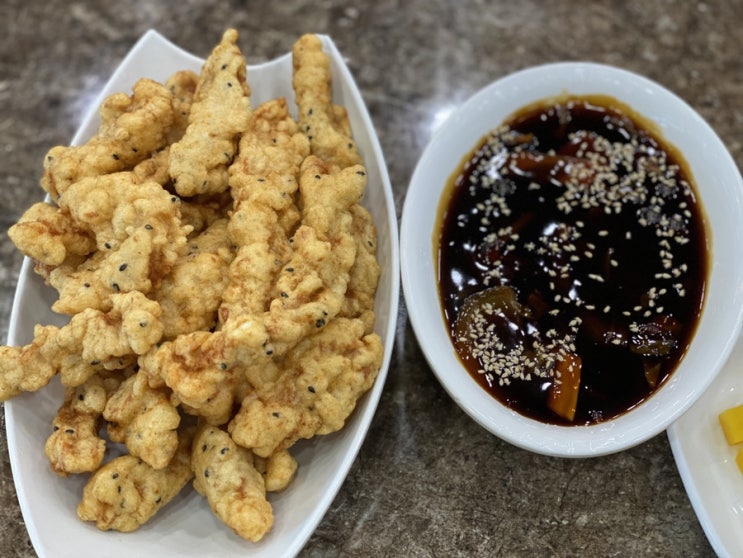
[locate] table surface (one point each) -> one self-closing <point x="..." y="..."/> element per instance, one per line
<point x="428" y="481"/>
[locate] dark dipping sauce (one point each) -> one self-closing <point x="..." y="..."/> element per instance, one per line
<point x="572" y="231"/>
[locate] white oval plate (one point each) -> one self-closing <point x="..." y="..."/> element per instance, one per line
<point x="186" y="527"/>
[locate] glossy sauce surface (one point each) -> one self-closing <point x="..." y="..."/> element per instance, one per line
<point x="571" y="230"/>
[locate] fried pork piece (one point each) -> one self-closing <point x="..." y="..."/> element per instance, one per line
<point x="111" y="206"/>
<point x="49" y="236"/>
<point x="277" y="470"/>
<point x="131" y="326"/>
<point x="259" y="259"/>
<point x="273" y="144"/>
<point x="139" y="235"/>
<point x="126" y="492"/>
<point x="325" y="124"/>
<point x="82" y="347"/>
<point x="79" y="285"/>
<point x="144" y="420"/>
<point x="25" y="369"/>
<point x="219" y="113"/>
<point x="131" y="267"/>
<point x="132" y="129"/>
<point x="75" y="446"/>
<point x="322" y="379"/>
<point x="200" y="369"/>
<point x="182" y="85"/>
<point x="225" y="474"/>
<point x="365" y="272"/>
<point x="208" y="372"/>
<point x="263" y="181"/>
<point x="191" y="294"/>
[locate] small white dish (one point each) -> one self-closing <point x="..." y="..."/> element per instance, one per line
<point x="721" y="191"/>
<point x="706" y="462"/>
<point x="186" y="527"/>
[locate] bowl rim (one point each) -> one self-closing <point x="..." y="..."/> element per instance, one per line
<point x="579" y="78"/>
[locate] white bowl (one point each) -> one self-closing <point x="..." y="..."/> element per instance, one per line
<point x="719" y="186"/>
<point x="186" y="527"/>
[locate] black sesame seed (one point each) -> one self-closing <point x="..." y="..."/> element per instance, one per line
<point x="115" y="476"/>
<point x="311" y="389"/>
<point x="116" y="156"/>
<point x="320" y="322"/>
<point x="115" y="286"/>
<point x="206" y="473"/>
<point x="204" y="447"/>
<point x="224" y="450"/>
<point x="276" y="414"/>
<point x="148" y="227"/>
<point x="123" y="267"/>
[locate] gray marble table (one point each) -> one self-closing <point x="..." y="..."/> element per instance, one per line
<point x="428" y="481"/>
